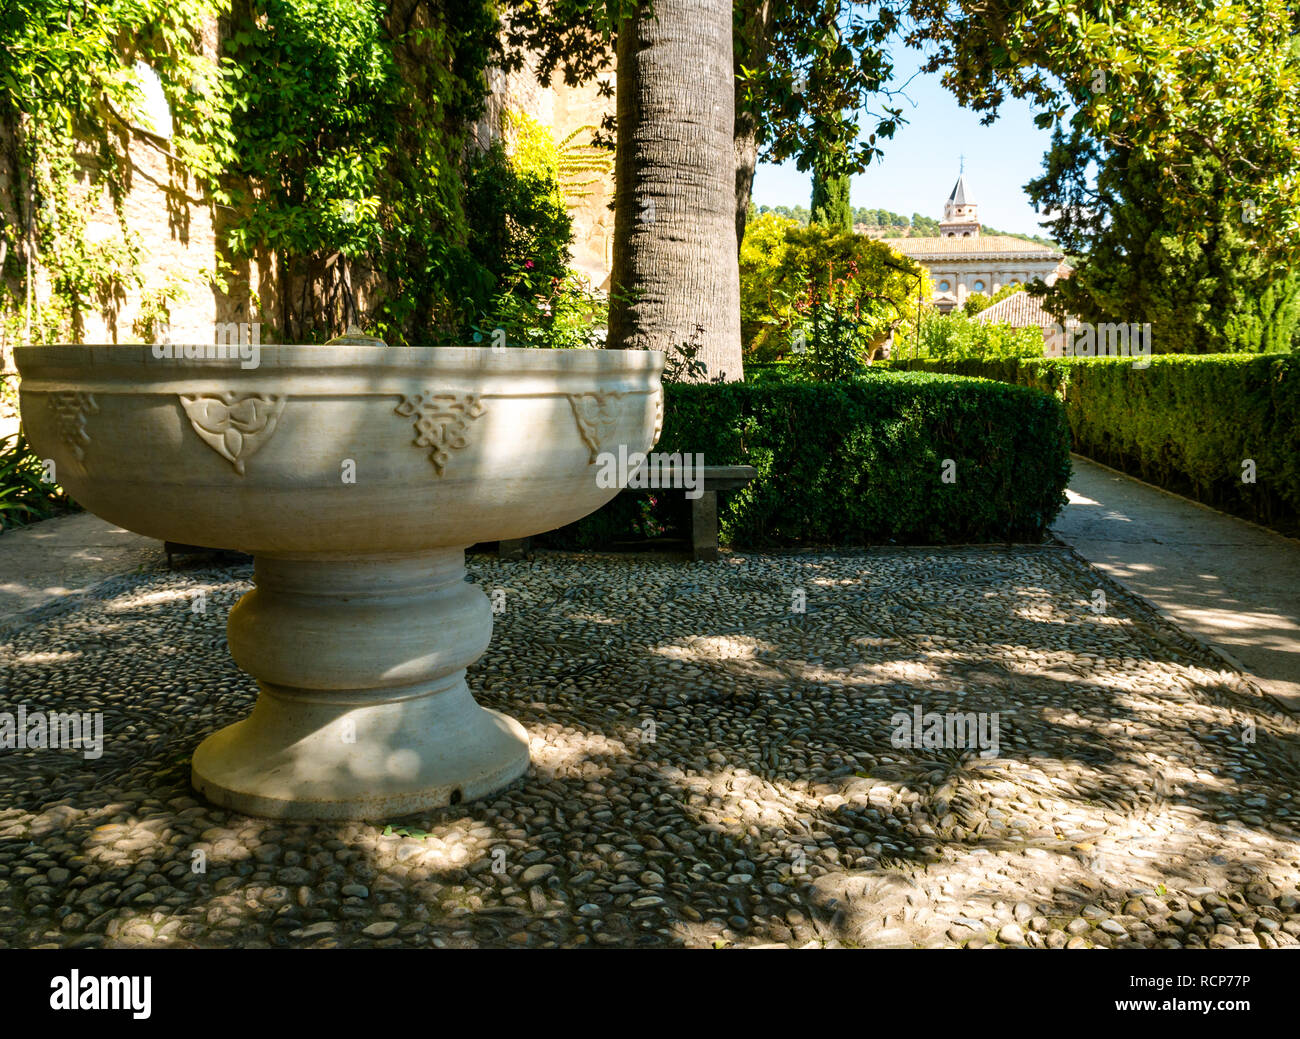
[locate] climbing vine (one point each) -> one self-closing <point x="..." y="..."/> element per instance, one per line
<point x="329" y="136"/>
<point x="70" y="97"/>
<point x="350" y="175"/>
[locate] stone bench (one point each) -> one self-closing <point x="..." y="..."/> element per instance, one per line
<point x="704" y="509"/>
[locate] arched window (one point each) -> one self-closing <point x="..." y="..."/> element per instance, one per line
<point x="151" y="112"/>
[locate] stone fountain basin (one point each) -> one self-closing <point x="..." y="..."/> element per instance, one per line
<point x="443" y="446"/>
<point x="356" y="475"/>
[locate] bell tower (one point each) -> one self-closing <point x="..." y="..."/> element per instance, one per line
<point x="960" y="218"/>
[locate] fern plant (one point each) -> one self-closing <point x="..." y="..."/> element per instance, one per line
<point x="25" y="495"/>
<point x="578" y="161"/>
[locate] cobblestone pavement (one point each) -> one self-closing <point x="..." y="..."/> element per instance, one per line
<point x="710" y="767"/>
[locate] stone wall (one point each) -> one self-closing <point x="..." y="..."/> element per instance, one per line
<point x="593" y="215"/>
<point x="562" y="110"/>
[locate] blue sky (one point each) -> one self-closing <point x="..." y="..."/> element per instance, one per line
<point x="920" y="163"/>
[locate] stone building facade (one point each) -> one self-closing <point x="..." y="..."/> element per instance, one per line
<point x="961" y="260"/>
<point x="959" y="213"/>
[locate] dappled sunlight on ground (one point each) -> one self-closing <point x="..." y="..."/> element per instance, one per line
<point x="710" y="767"/>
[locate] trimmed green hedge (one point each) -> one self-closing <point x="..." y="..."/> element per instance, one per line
<point x="861" y="462"/>
<point x="1186" y="423"/>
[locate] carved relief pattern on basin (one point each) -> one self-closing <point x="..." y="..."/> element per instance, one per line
<point x="71" y="409"/>
<point x="235" y="425"/>
<point x="597" y="417"/>
<point x="442" y="422"/>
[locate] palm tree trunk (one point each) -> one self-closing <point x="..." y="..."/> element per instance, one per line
<point x="675" y="277"/>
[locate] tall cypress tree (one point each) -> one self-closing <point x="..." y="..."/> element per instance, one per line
<point x="830" y="200"/>
<point x="1195" y="272"/>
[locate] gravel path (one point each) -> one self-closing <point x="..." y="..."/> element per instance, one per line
<point x="710" y="767"/>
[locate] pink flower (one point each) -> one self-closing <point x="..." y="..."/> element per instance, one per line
<point x="528" y="265"/>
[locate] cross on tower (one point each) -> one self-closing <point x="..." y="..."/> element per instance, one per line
<point x="962" y="160"/>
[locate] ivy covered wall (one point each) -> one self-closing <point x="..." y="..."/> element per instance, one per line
<point x="314" y="172"/>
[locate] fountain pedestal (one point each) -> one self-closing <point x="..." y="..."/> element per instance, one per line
<point x="363" y="709"/>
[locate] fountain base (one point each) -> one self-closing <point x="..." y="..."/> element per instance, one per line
<point x="363" y="711"/>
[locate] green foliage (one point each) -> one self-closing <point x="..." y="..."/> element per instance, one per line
<point x="880" y="218"/>
<point x="155" y="315"/>
<point x="516" y="204"/>
<point x="24" y="496"/>
<point x="69" y="94"/>
<point x="1200" y="278"/>
<point x="956" y="336"/>
<point x="769" y="372"/>
<point x="313" y="84"/>
<point x="521" y="229"/>
<point x="838" y="341"/>
<point x="568" y="314"/>
<point x="787" y="268"/>
<point x="799" y="214"/>
<point x="830" y="200"/>
<point x="682" y="362"/>
<point x="805" y="70"/>
<point x="573" y="38"/>
<point x="574" y="166"/>
<point x="924" y="226"/>
<point x="353" y="117"/>
<point x="860" y="462"/>
<point x="533" y="153"/>
<point x="1186" y="423"/>
<point x="330" y="134"/>
<point x="1173" y="80"/>
<point x="898" y="225"/>
<point x="812" y="76"/>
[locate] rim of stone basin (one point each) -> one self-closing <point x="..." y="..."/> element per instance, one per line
<point x="343" y="357"/>
<point x="331" y="370"/>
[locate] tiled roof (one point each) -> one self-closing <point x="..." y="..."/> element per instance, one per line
<point x="1020" y="310"/>
<point x="993" y="246"/>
